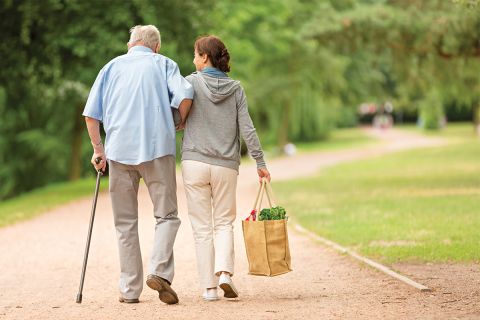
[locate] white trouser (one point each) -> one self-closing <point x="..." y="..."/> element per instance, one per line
<point x="211" y="201"/>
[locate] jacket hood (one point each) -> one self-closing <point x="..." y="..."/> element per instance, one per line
<point x="216" y="89"/>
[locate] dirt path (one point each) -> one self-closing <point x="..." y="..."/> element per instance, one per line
<point x="40" y="263"/>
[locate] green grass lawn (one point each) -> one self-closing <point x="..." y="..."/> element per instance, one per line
<point x="419" y="205"/>
<point x="38" y="201"/>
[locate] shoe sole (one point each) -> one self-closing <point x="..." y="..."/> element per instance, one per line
<point x="165" y="292"/>
<point x="123" y="300"/>
<point x="229" y="292"/>
<point x="210" y="299"/>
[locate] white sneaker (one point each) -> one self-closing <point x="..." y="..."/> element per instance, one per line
<point x="210" y="294"/>
<point x="227" y="286"/>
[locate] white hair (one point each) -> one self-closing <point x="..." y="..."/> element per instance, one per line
<point x="148" y="35"/>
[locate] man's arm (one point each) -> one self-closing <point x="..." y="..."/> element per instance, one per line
<point x="93" y="114"/>
<point x="178" y="87"/>
<point x="93" y="128"/>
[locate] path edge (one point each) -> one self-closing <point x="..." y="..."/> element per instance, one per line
<point x="365" y="260"/>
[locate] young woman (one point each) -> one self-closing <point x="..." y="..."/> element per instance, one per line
<point x="210" y="161"/>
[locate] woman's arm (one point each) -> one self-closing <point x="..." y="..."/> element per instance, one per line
<point x="249" y="134"/>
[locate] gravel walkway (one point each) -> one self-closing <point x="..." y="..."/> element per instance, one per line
<point x="40" y="264"/>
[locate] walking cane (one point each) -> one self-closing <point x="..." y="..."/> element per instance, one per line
<point x="87" y="247"/>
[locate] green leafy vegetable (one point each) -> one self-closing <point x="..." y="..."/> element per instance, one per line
<point x="274" y="213"/>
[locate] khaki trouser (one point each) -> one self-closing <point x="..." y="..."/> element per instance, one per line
<point x="211" y="201"/>
<point x="159" y="177"/>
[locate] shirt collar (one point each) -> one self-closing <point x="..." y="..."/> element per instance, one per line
<point x="140" y="49"/>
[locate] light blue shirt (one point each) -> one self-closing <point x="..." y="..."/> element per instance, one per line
<point x="132" y="96"/>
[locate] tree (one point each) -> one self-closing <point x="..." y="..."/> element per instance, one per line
<point x="51" y="53"/>
<point x="291" y="83"/>
<point x="424" y="45"/>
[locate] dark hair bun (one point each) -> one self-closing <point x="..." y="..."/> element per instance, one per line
<point x="224" y="60"/>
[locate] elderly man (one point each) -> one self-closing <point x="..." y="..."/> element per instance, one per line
<point x="133" y="96"/>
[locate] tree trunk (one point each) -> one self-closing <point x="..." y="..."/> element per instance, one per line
<point x="76" y="159"/>
<point x="476" y="119"/>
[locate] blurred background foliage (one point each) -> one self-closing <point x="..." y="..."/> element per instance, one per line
<point x="306" y="66"/>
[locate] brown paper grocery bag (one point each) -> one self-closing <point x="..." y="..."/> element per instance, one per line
<point x="266" y="242"/>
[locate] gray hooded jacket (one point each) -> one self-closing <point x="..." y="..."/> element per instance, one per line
<point x="219" y="116"/>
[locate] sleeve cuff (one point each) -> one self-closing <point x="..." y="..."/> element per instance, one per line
<point x="93" y="116"/>
<point x="261" y="163"/>
<point x="186" y="94"/>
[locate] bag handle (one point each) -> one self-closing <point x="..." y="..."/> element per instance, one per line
<point x="269" y="192"/>
<point x="253" y="213"/>
<point x="260" y="192"/>
<point x="265" y="188"/>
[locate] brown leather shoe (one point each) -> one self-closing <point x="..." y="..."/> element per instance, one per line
<point x="165" y="292"/>
<point x="125" y="300"/>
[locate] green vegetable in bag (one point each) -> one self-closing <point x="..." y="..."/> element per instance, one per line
<point x="274" y="213"/>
